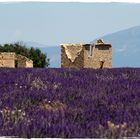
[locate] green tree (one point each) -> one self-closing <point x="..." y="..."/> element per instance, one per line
<point x="39" y="58"/>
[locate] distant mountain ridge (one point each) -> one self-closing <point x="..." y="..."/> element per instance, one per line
<point x="35" y="44"/>
<point x="52" y="52"/>
<point x="126" y="47"/>
<point x="125" y="44"/>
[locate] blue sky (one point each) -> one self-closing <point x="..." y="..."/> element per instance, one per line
<point x="56" y="23"/>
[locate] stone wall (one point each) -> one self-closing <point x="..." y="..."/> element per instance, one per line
<point x="10" y="59"/>
<point x="88" y="56"/>
<point x="97" y="55"/>
<point x="72" y="56"/>
<point x="29" y="64"/>
<point x="7" y="59"/>
<point x="101" y="54"/>
<point x="23" y="62"/>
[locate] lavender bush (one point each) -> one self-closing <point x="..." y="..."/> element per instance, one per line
<point x="70" y="103"/>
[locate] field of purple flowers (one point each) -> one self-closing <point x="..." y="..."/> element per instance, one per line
<point x="70" y="103"/>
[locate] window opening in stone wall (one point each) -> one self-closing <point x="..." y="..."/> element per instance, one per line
<point x="90" y="51"/>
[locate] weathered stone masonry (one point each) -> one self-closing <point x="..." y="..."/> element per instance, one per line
<point x="98" y="55"/>
<point x="7" y="59"/>
<point x="10" y="59"/>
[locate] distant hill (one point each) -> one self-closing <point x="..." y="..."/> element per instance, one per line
<point x="53" y="52"/>
<point x="126" y="47"/>
<point x="35" y="44"/>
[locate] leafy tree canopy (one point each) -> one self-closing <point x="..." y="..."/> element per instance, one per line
<point x="39" y="58"/>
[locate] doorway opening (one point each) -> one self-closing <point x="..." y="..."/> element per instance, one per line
<point x="16" y="63"/>
<point x="101" y="64"/>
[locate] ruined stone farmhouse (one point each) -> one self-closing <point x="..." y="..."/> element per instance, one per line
<point x="12" y="60"/>
<point x="98" y="55"/>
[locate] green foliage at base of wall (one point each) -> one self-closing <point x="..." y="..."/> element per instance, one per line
<point x="39" y="58"/>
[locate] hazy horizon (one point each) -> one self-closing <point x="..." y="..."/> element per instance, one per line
<point x="56" y="23"/>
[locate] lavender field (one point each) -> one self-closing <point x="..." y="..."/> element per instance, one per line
<point x="70" y="103"/>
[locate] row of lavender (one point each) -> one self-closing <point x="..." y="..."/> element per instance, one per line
<point x="70" y="103"/>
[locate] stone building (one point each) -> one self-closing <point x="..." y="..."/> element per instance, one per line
<point x="98" y="55"/>
<point x="7" y="59"/>
<point x="22" y="61"/>
<point x="10" y="59"/>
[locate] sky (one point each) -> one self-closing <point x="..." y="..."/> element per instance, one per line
<point x="56" y="23"/>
